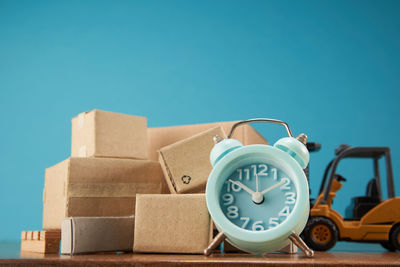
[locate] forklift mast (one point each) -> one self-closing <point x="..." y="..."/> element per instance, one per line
<point x="375" y="153"/>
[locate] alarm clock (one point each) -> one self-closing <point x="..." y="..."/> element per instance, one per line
<point x="257" y="195"/>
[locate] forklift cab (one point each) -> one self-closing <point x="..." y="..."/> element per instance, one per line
<point x="359" y="205"/>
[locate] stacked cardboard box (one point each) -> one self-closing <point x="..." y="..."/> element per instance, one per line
<point x="107" y="168"/>
<point x="117" y="177"/>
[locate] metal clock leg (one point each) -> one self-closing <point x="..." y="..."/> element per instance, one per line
<point x="296" y="239"/>
<point x="215" y="243"/>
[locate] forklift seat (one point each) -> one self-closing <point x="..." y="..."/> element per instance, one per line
<point x="361" y="205"/>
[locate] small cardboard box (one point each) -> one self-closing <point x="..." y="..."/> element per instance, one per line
<point x="40" y="241"/>
<point x="164" y="136"/>
<point x="186" y="164"/>
<point x="96" y="234"/>
<point x="172" y="224"/>
<point x="91" y="187"/>
<point x="100" y="133"/>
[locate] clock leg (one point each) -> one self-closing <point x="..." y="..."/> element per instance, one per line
<point x="215" y="243"/>
<point x="296" y="239"/>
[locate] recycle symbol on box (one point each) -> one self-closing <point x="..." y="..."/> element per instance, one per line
<point x="186" y="179"/>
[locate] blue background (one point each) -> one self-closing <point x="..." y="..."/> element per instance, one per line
<point x="329" y="68"/>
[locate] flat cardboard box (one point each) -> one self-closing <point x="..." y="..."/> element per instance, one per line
<point x="97" y="187"/>
<point x="100" y="133"/>
<point x="186" y="163"/>
<point x="40" y="241"/>
<point x="163" y="136"/>
<point x="172" y="224"/>
<point x="96" y="234"/>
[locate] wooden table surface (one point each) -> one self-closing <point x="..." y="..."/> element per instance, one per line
<point x="346" y="257"/>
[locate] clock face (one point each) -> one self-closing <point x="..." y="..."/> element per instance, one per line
<point x="257" y="196"/>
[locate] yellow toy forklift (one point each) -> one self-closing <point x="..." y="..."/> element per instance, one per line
<point x="369" y="218"/>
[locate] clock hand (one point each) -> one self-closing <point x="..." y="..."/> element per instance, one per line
<point x="256" y="182"/>
<point x="272" y="187"/>
<point x="245" y="188"/>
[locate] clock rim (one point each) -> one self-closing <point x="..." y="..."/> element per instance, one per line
<point x="281" y="160"/>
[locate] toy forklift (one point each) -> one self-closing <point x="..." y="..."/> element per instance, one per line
<point x="369" y="217"/>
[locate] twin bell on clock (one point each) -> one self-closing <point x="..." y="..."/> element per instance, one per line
<point x="258" y="195"/>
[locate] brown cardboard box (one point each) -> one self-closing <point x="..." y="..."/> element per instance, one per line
<point x="164" y="136"/>
<point x="100" y="133"/>
<point x="172" y="224"/>
<point x="40" y="241"/>
<point x="96" y="234"/>
<point x="186" y="164"/>
<point x="97" y="187"/>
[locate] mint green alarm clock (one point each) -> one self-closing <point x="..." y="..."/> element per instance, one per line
<point x="258" y="195"/>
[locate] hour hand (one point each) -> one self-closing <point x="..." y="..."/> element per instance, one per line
<point x="272" y="187"/>
<point x="245" y="188"/>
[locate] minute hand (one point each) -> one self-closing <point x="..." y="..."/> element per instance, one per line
<point x="272" y="187"/>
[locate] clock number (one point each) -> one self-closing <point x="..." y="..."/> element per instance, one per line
<point x="228" y="186"/>
<point x="254" y="167"/>
<point x="273" y="222"/>
<point x="285" y="186"/>
<point x="257" y="226"/>
<point x="290" y="198"/>
<point x="240" y="171"/>
<point x="274" y="173"/>
<point x="235" y="187"/>
<point x="228" y="198"/>
<point x="246" y="172"/>
<point x="246" y="221"/>
<point x="233" y="212"/>
<point x="284" y="212"/>
<point x="263" y="170"/>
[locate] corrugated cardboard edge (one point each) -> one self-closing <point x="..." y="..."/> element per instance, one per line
<point x="78" y="123"/>
<point x="63" y="197"/>
<point x="167" y="173"/>
<point x="67" y="239"/>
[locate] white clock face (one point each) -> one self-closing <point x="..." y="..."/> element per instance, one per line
<point x="257" y="197"/>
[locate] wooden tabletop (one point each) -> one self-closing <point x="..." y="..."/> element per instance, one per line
<point x="334" y="258"/>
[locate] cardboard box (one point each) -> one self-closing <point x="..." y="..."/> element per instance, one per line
<point x="96" y="234"/>
<point x="100" y="133"/>
<point x="97" y="187"/>
<point x="164" y="136"/>
<point x="40" y="241"/>
<point x="172" y="224"/>
<point x="186" y="164"/>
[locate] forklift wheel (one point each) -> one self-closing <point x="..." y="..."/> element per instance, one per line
<point x="320" y="233"/>
<point x="394" y="237"/>
<point x="388" y="246"/>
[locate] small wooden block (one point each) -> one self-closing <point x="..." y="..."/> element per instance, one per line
<point x="23" y="235"/>
<point x="35" y="235"/>
<point x="41" y="241"/>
